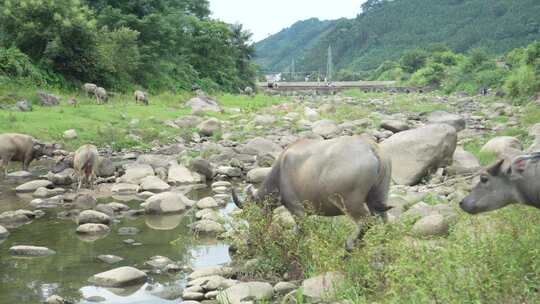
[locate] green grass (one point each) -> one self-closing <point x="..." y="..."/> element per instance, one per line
<point x="109" y="124"/>
<point x="494" y="258"/>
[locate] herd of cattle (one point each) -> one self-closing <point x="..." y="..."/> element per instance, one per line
<point x="102" y="97"/>
<point x="347" y="175"/>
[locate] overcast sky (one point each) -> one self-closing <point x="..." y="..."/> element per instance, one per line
<point x="263" y="18"/>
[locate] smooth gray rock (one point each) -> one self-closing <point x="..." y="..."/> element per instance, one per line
<point x="209" y="127"/>
<point x="395" y="125"/>
<point x="30" y="251"/>
<point x="257" y="175"/>
<point x="119" y="277"/>
<point x="323" y="287"/>
<point x="12" y="219"/>
<point x="180" y="175"/>
<point x="154" y="184"/>
<point x="93" y="229"/>
<point x="32" y="186"/>
<point x="125" y="188"/>
<point x="443" y="117"/>
<point x="110" y="259"/>
<point x="93" y="217"/>
<point x="135" y="173"/>
<point x="250" y="291"/>
<point x="502" y="146"/>
<point x="207" y="202"/>
<point x="167" y="202"/>
<point x="431" y="225"/>
<point x="4" y="233"/>
<point x="207" y="227"/>
<point x="210" y="271"/>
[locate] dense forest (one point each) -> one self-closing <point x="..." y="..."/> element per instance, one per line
<point x="385" y="29"/>
<point x="154" y="44"/>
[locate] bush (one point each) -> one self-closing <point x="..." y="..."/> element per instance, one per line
<point x="16" y="64"/>
<point x="522" y="82"/>
<point x="413" y="60"/>
<point x="431" y="75"/>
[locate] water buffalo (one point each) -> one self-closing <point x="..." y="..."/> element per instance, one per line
<point x="23" y="148"/>
<point x="89" y="88"/>
<point x="504" y="183"/>
<point x="141" y="97"/>
<point x="101" y="95"/>
<point x="342" y="176"/>
<point x="85" y="163"/>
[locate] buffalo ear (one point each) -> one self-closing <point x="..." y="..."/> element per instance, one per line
<point x="495" y="169"/>
<point x="517" y="167"/>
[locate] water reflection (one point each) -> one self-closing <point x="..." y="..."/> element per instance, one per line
<point x="163" y="222"/>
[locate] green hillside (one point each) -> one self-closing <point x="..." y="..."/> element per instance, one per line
<point x="385" y="29"/>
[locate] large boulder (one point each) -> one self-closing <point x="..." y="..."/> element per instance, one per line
<point x="431" y="225"/>
<point x="207" y="227"/>
<point x="203" y="104"/>
<point x="209" y="127"/>
<point x="32" y="186"/>
<point x="180" y="175"/>
<point x="322" y="287"/>
<point x="124" y="189"/>
<point x="502" y="146"/>
<point x="395" y="125"/>
<point x="464" y="162"/>
<point x="443" y="117"/>
<point x="106" y="168"/>
<point x="166" y="202"/>
<point x="156" y="160"/>
<point x="64" y="178"/>
<point x="154" y="184"/>
<point x="203" y="167"/>
<point x="261" y="145"/>
<point x="48" y="100"/>
<point x="134" y="173"/>
<point x="250" y="291"/>
<point x="326" y="128"/>
<point x="119" y="277"/>
<point x="3" y="232"/>
<point x="415" y="153"/>
<point x="207" y="202"/>
<point x="257" y="175"/>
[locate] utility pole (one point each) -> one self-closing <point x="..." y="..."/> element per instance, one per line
<point x="329" y="64"/>
<point x="293" y="69"/>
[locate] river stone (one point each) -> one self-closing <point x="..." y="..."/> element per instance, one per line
<point x="207" y="202"/>
<point x="283" y="218"/>
<point x="3" y="232"/>
<point x="443" y="117"/>
<point x="93" y="217"/>
<point x="85" y="202"/>
<point x="166" y="202"/>
<point x="119" y="277"/>
<point x="261" y="145"/>
<point x="43" y="192"/>
<point x="30" y="251"/>
<point x="158" y="262"/>
<point x="203" y="167"/>
<point x="250" y="291"/>
<point x="257" y="175"/>
<point x="55" y="299"/>
<point x="156" y="160"/>
<point x="311" y="114"/>
<point x="124" y="188"/>
<point x="326" y="128"/>
<point x="209" y="214"/>
<point x="209" y="283"/>
<point x="93" y="229"/>
<point x="323" y="286"/>
<point x="109" y="258"/>
<point x="210" y="271"/>
<point x="70" y="134"/>
<point x="64" y="178"/>
<point x="128" y="231"/>
<point x="48" y="100"/>
<point x="136" y="172"/>
<point x="394" y="125"/>
<point x="180" y="175"/>
<point x="154" y="184"/>
<point x="13" y="219"/>
<point x="464" y="162"/>
<point x="197" y="296"/>
<point x="282" y="288"/>
<point x="431" y="225"/>
<point x="169" y="292"/>
<point x="418" y="210"/>
<point x="96" y="299"/>
<point x="106" y="168"/>
<point x="502" y="145"/>
<point x="415" y="153"/>
<point x="264" y="120"/>
<point x="33" y="186"/>
<point x="209" y="127"/>
<point x="211" y="294"/>
<point x="229" y="171"/>
<point x="207" y="227"/>
<point x="203" y="104"/>
<point x="19" y="174"/>
<point x="23" y="106"/>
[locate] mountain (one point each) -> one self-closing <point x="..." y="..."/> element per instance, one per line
<point x="387" y="28"/>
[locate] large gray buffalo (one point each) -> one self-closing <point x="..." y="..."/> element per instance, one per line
<point x="23" y="148"/>
<point x="342" y="176"/>
<point x="504" y="183"/>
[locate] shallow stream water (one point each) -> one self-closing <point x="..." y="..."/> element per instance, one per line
<point x="32" y="280"/>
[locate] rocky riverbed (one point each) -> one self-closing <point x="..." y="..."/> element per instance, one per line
<point x="156" y="228"/>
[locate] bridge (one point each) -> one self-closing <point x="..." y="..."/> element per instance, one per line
<point x="337" y="86"/>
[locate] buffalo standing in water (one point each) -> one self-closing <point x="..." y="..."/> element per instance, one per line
<point x="342" y="176"/>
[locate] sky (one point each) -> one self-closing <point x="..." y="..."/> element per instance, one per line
<point x="264" y="18"/>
